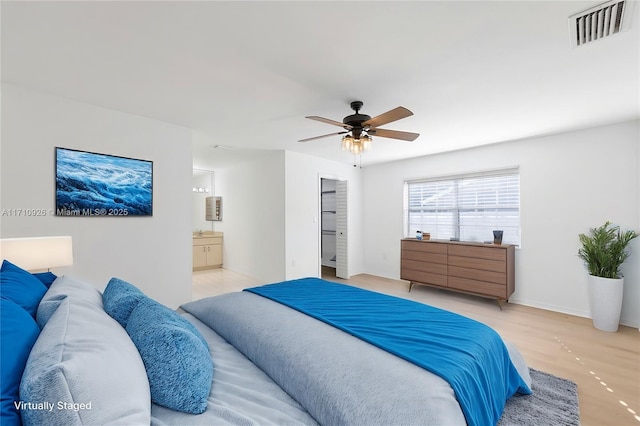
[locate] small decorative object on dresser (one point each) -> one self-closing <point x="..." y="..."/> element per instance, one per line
<point x="482" y="269"/>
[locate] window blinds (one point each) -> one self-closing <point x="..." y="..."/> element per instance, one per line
<point x="467" y="207"/>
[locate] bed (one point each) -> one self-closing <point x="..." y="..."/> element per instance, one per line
<point x="301" y="352"/>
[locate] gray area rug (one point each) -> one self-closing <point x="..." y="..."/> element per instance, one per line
<point x="554" y="401"/>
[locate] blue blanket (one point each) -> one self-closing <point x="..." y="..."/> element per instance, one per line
<point x="469" y="355"/>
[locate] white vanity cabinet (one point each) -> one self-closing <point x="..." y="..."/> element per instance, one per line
<point x="207" y="251"/>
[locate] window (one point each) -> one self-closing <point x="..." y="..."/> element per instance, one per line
<point x="467" y="207"/>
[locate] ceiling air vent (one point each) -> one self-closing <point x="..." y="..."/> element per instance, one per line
<point x="599" y="22"/>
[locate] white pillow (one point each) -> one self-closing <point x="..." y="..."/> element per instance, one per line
<point x="87" y="369"/>
<point x="64" y="287"/>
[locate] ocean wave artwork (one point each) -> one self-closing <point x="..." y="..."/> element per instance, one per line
<point x="91" y="184"/>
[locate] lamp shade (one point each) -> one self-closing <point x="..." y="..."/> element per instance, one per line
<point x="38" y="252"/>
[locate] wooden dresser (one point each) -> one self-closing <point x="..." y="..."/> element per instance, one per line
<point x="482" y="269"/>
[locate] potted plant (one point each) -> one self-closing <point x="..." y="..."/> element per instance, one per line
<point x="604" y="250"/>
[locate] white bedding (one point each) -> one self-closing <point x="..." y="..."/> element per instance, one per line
<point x="272" y="366"/>
<point x="241" y="394"/>
<point x="339" y="379"/>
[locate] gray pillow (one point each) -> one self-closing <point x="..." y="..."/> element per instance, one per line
<point x="64" y="287"/>
<point x="87" y="369"/>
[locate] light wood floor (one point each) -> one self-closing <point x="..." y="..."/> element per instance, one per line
<point x="605" y="366"/>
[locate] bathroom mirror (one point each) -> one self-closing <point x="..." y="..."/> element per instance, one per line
<point x="214" y="209"/>
<point x="203" y="187"/>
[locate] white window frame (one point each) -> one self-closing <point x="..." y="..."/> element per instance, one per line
<point x="466" y="207"/>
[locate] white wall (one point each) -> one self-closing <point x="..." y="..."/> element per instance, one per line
<point x="202" y="179"/>
<point x="569" y="183"/>
<point x="152" y="252"/>
<point x="636" y="272"/>
<point x="271" y="215"/>
<point x="303" y="173"/>
<point x="253" y="217"/>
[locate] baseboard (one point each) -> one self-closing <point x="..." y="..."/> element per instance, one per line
<point x="535" y="304"/>
<point x="562" y="310"/>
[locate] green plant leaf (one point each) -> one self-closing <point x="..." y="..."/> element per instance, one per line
<point x="604" y="250"/>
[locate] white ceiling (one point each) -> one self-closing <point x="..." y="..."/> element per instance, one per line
<point x="245" y="74"/>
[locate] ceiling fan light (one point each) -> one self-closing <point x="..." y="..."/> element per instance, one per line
<point x="347" y="143"/>
<point x="359" y="125"/>
<point x="356" y="148"/>
<point x="366" y="142"/>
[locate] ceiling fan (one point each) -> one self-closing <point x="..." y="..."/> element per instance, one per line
<point x="359" y="128"/>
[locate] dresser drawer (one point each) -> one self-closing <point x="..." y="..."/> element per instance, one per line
<point x="422" y="266"/>
<point x="480" y="252"/>
<point x="478" y="275"/>
<point x="424" y="246"/>
<point x="424" y="277"/>
<point x="477" y="263"/>
<point x="478" y="287"/>
<point x="422" y="256"/>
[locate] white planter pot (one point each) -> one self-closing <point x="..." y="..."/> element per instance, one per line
<point x="605" y="299"/>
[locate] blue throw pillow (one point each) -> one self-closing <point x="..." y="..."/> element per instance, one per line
<point x="47" y="278"/>
<point x="19" y="333"/>
<point x="21" y="287"/>
<point x="175" y="355"/>
<point x="120" y="298"/>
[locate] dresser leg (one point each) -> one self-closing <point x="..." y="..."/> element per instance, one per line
<point x="410" y="286"/>
<point x="499" y="303"/>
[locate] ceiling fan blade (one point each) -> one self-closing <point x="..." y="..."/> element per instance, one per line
<point x="394" y="134"/>
<point x="320" y="137"/>
<point x="326" y="120"/>
<point x="388" y="117"/>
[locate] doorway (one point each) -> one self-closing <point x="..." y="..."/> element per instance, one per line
<point x="333" y="228"/>
<point x="328" y="227"/>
